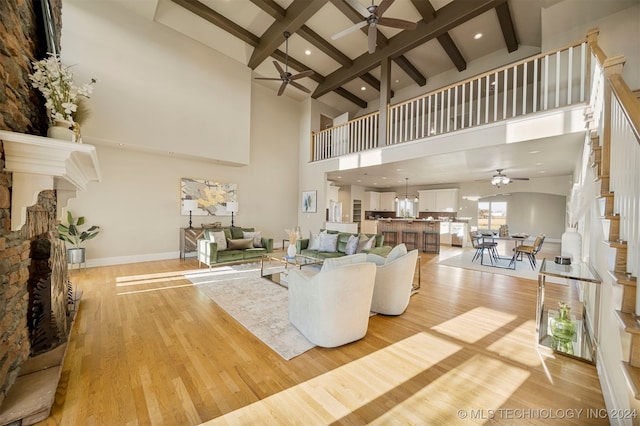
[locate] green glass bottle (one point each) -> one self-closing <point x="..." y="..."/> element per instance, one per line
<point x="563" y="330"/>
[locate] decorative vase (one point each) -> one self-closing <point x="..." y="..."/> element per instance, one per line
<point x="571" y="245"/>
<point x="563" y="330"/>
<point x="291" y="250"/>
<point x="76" y="255"/>
<point x="62" y="130"/>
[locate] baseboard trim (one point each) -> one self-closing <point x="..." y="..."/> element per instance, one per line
<point x="121" y="260"/>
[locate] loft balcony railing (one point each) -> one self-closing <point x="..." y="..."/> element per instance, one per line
<point x="541" y="83"/>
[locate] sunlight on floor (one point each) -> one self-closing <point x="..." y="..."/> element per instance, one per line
<point x="474" y="324"/>
<point x="508" y="346"/>
<point x="480" y="384"/>
<point x="339" y="392"/>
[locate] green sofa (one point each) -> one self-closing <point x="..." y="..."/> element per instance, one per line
<point x="209" y="254"/>
<point x="379" y="249"/>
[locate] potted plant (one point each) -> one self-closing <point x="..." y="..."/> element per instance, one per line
<point x="72" y="234"/>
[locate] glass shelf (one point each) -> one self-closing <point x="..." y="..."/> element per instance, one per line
<point x="582" y="294"/>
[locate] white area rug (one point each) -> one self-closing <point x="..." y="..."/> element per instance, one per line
<point x="523" y="267"/>
<point x="260" y="305"/>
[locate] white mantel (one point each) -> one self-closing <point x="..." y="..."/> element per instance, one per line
<point x="40" y="163"/>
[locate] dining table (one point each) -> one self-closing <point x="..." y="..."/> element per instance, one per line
<point x="498" y="261"/>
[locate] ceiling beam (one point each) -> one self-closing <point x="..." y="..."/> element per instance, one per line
<point x="410" y="70"/>
<point x="297" y="14"/>
<point x="299" y="67"/>
<point x="215" y="18"/>
<point x="382" y="42"/>
<point x="277" y="12"/>
<point x="447" y="18"/>
<point x="452" y="51"/>
<point x="218" y="20"/>
<point x="428" y="14"/>
<point x="351" y="97"/>
<point x="506" y="24"/>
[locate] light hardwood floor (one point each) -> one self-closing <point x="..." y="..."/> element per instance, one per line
<point x="149" y="348"/>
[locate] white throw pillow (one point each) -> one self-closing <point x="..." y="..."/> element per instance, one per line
<point x="328" y="243"/>
<point x="337" y="262"/>
<point x="220" y="238"/>
<point x="257" y="238"/>
<point x="352" y="245"/>
<point x="314" y="241"/>
<point x="365" y="243"/>
<point x="396" y="252"/>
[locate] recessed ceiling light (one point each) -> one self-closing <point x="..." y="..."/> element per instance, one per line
<point x="383" y="178"/>
<point x="339" y="177"/>
<point x="534" y="152"/>
<point x="307" y="52"/>
<point x="541" y="171"/>
<point x="358" y="180"/>
<point x="538" y="164"/>
<point x="363" y="88"/>
<point x="477" y="36"/>
<point x="397" y="81"/>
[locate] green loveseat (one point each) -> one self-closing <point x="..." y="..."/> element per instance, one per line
<point x="379" y="249"/>
<point x="209" y="251"/>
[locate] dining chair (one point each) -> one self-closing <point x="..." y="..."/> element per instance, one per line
<point x="482" y="246"/>
<point x="530" y="251"/>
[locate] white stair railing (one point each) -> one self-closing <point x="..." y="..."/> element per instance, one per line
<point x="625" y="180"/>
<point x="540" y="83"/>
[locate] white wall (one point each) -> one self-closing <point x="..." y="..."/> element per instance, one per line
<point x="137" y="203"/>
<point x="618" y="22"/>
<point x="157" y="89"/>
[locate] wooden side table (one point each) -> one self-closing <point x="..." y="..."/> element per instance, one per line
<point x="189" y="240"/>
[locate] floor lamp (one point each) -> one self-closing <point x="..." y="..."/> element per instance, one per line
<point x="190" y="205"/>
<point x="232" y="206"/>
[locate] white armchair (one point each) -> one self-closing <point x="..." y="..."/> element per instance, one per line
<point x="394" y="281"/>
<point x="331" y="308"/>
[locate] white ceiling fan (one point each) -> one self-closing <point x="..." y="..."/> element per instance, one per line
<point x="373" y="17"/>
<point x="285" y="76"/>
<point x="501" y="179"/>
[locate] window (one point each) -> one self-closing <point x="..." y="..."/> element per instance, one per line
<point x="405" y="208"/>
<point x="492" y="214"/>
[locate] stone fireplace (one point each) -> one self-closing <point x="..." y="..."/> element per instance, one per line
<point x="37" y="177"/>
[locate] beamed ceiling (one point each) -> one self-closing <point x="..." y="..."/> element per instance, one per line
<point x="442" y="40"/>
<point x="443" y="46"/>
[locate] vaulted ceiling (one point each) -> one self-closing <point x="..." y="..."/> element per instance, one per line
<point x="466" y="37"/>
<point x="345" y="74"/>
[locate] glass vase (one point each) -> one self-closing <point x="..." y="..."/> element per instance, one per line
<point x="563" y="330"/>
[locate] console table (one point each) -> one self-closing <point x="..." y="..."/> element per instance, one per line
<point x="189" y="240"/>
<point x="582" y="295"/>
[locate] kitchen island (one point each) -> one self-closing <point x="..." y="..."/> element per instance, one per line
<point x="428" y="232"/>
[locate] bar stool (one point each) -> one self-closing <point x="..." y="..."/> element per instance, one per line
<point x="431" y="241"/>
<point x="410" y="238"/>
<point x="390" y="237"/>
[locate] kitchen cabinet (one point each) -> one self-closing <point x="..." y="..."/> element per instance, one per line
<point x="371" y="201"/>
<point x="438" y="200"/>
<point x="427" y="201"/>
<point x="387" y="202"/>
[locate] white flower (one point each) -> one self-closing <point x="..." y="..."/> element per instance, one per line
<point x="55" y="82"/>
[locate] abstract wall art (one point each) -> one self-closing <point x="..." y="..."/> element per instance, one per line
<point x="309" y="204"/>
<point x="212" y="196"/>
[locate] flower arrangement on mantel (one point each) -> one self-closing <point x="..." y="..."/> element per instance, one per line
<point x="64" y="99"/>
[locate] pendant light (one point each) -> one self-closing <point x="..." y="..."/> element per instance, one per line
<point x="406" y="192"/>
